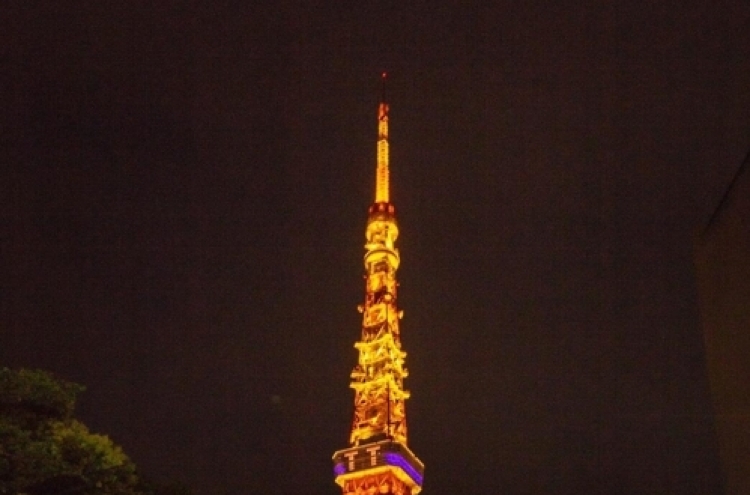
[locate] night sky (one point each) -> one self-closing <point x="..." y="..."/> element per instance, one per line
<point x="183" y="197"/>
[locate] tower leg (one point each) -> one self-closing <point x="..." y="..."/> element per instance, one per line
<point x="381" y="484"/>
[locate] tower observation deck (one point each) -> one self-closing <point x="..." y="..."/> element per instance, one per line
<point x="378" y="460"/>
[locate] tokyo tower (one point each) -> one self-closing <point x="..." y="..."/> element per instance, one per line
<point x="378" y="460"/>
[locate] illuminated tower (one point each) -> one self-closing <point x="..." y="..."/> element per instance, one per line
<point x="378" y="460"/>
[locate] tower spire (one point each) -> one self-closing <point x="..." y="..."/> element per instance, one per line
<point x="378" y="459"/>
<point x="382" y="178"/>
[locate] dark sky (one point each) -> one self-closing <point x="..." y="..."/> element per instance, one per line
<point x="183" y="195"/>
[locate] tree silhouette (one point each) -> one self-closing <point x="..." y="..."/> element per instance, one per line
<point x="45" y="450"/>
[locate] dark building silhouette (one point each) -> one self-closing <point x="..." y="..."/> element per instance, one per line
<point x="722" y="260"/>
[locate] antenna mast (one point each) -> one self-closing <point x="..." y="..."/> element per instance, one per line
<point x="382" y="173"/>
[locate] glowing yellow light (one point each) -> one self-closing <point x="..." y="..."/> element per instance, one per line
<point x="380" y="477"/>
<point x="382" y="178"/>
<point x="378" y="377"/>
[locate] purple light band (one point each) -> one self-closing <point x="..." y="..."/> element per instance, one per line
<point x="339" y="469"/>
<point x="396" y="460"/>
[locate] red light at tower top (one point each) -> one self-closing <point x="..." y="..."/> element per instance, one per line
<point x="383" y="77"/>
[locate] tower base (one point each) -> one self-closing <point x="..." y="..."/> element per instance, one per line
<point x="385" y="483"/>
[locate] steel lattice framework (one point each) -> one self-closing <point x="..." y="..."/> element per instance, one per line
<point x="378" y="459"/>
